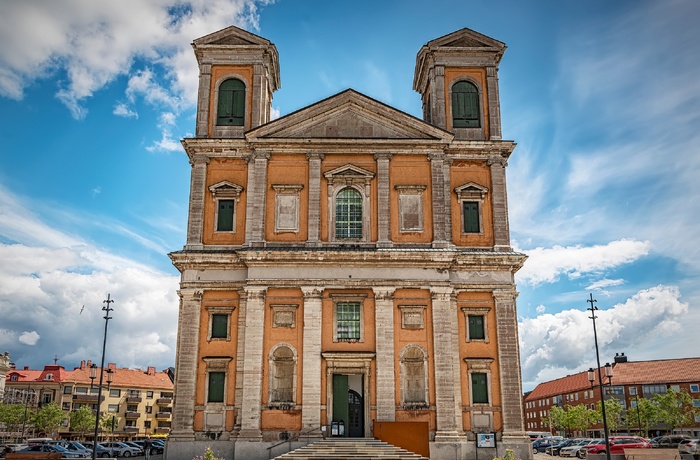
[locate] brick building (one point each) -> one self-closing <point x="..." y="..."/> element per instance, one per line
<point x="140" y="400"/>
<point x="347" y="262"/>
<point x="631" y="380"/>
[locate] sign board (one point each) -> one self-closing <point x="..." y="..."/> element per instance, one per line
<point x="486" y="440"/>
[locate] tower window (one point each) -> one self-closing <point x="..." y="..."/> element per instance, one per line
<point x="348" y="214"/>
<point x="216" y="387"/>
<point x="471" y="216"/>
<point x="231" y="109"/>
<point x="465" y="105"/>
<point x="480" y="394"/>
<point x="224" y="221"/>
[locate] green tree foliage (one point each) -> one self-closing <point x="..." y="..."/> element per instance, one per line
<point x="48" y="419"/>
<point x="642" y="416"/>
<point x="82" y="420"/>
<point x="674" y="409"/>
<point x="106" y="422"/>
<point x="571" y="418"/>
<point x="613" y="413"/>
<point x="12" y="416"/>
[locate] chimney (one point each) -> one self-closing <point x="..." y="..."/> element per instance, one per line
<point x="112" y="366"/>
<point x="82" y="364"/>
<point x="89" y="363"/>
<point x="26" y="368"/>
<point x="151" y="370"/>
<point x="620" y="358"/>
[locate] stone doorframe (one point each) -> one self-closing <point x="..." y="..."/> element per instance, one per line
<point x="349" y="363"/>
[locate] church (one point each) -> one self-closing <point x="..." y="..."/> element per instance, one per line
<point x="347" y="265"/>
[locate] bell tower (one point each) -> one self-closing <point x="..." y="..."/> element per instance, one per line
<point x="238" y="72"/>
<point x="457" y="77"/>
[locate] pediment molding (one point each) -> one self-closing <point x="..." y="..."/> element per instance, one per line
<point x="471" y="190"/>
<point x="348" y="173"/>
<point x="231" y="35"/>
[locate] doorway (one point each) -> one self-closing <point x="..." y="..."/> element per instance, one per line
<point x="349" y="404"/>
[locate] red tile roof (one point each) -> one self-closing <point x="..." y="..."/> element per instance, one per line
<point x="58" y="374"/>
<point x="666" y="371"/>
<point x="124" y="377"/>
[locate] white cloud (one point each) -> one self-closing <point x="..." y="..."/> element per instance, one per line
<point x="123" y="110"/>
<point x="274" y="113"/>
<point x="546" y="265"/>
<point x="29" y="338"/>
<point x="601" y="284"/>
<point x="541" y="309"/>
<point x="555" y="344"/>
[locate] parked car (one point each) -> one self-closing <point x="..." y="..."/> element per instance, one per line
<point x="618" y="444"/>
<point x="135" y="446"/>
<point x="669" y="441"/>
<point x="554" y="448"/>
<point x="72" y="446"/>
<point x="119" y="449"/>
<point x="14" y="447"/>
<point x="539" y="445"/>
<point x="156" y="448"/>
<point x="689" y="446"/>
<point x="54" y="449"/>
<point x="577" y="449"/>
<point x="101" y="451"/>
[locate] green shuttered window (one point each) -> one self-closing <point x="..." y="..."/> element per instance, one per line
<point x="216" y="387"/>
<point x="224" y="222"/>
<point x="219" y="326"/>
<point x="476" y="328"/>
<point x="231" y="109"/>
<point x="471" y="217"/>
<point x="465" y="105"/>
<point x="480" y="393"/>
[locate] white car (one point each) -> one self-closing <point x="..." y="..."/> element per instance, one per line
<point x="119" y="449"/>
<point x="576" y="449"/>
<point x="688" y="446"/>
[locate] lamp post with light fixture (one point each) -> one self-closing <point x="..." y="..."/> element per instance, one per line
<point x="608" y="375"/>
<point x="93" y="373"/>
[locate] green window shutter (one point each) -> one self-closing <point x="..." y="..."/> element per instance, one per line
<point x="471" y="217"/>
<point x="219" y="326"/>
<point x="231" y="105"/>
<point x="480" y="393"/>
<point x="465" y="105"/>
<point x="216" y="387"/>
<point x="348" y="214"/>
<point x="476" y="328"/>
<point x="225" y="216"/>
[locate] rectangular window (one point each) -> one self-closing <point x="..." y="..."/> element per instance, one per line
<point x="115" y="393"/>
<point x="216" y="387"/>
<point x="696" y="402"/>
<point x="476" y="328"/>
<point x="46" y="398"/>
<point x="470" y="211"/>
<point x="134" y="393"/>
<point x="81" y="390"/>
<point x="67" y="390"/>
<point x="219" y="326"/>
<point x="132" y="408"/>
<point x="113" y="408"/>
<point x="130" y="423"/>
<point x="632" y="391"/>
<point x="94" y="390"/>
<point x="480" y="394"/>
<point x="225" y="214"/>
<point x="348" y="321"/>
<point x="695" y="388"/>
<point x="147" y="424"/>
<point x="149" y="409"/>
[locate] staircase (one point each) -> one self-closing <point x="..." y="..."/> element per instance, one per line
<point x="350" y="449"/>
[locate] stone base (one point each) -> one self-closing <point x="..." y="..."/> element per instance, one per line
<point x="450" y="451"/>
<point x="187" y="450"/>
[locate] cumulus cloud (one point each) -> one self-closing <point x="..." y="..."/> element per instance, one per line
<point x="29" y="338"/>
<point x="123" y="110"/>
<point x="546" y="265"/>
<point x="604" y="283"/>
<point x="561" y="343"/>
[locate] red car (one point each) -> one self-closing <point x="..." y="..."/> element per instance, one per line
<point x="618" y="444"/>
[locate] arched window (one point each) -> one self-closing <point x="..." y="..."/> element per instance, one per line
<point x="465" y="105"/>
<point x="231" y="109"/>
<point x="348" y="214"/>
<point x="282" y="375"/>
<point x="413" y="377"/>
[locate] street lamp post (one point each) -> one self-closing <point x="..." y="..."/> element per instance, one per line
<point x="608" y="374"/>
<point x="106" y="317"/>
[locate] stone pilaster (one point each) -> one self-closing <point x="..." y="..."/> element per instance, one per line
<point x="314" y="223"/>
<point x="311" y="362"/>
<point x="509" y="361"/>
<point x="386" y="374"/>
<point x="447" y="198"/>
<point x="384" y="237"/>
<point x="494" y="103"/>
<point x="202" y="128"/>
<point x="253" y="363"/>
<point x="255" y="204"/>
<point x="186" y="363"/>
<point x="501" y="230"/>
<point x="437" y="96"/>
<point x="258" y="95"/>
<point x="437" y="172"/>
<point x="444" y="323"/>
<point x="198" y="182"/>
<point x="240" y="357"/>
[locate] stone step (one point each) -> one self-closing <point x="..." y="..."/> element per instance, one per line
<point x="350" y="448"/>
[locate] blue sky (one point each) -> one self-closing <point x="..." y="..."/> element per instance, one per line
<point x="602" y="98"/>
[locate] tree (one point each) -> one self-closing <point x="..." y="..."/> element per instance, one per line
<point x="106" y="422"/>
<point x="82" y="420"/>
<point x="48" y="419"/>
<point x="674" y="409"/>
<point x="580" y="417"/>
<point x="13" y="415"/>
<point x="613" y="413"/>
<point x="642" y="416"/>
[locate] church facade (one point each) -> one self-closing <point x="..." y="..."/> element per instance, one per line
<point x="348" y="261"/>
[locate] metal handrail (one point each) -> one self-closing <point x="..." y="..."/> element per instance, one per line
<point x="292" y="438"/>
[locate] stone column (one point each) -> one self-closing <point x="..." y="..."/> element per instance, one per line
<point x="314" y="222"/>
<point x="509" y="371"/>
<point x="444" y="325"/>
<point x="253" y="363"/>
<point x="384" y="236"/>
<point x="202" y="129"/>
<point x="386" y="374"/>
<point x="437" y="96"/>
<point x="240" y="358"/>
<point x="311" y="362"/>
<point x="186" y="363"/>
<point x="255" y="203"/>
<point x="198" y="183"/>
<point x="257" y="95"/>
<point x="494" y="103"/>
<point x="499" y="198"/>
<point x="437" y="173"/>
<point x="447" y="198"/>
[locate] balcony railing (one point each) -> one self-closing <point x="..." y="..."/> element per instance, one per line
<point x="164" y="401"/>
<point x="163" y="415"/>
<point x="131" y="429"/>
<point x="86" y="398"/>
<point x="162" y="430"/>
<point x="133" y="399"/>
<point x="132" y="415"/>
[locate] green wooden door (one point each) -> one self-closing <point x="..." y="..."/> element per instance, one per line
<point x="340" y="399"/>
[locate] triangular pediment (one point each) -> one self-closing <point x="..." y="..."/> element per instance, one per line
<point x="232" y="35"/>
<point x="349" y="170"/>
<point x="466" y="38"/>
<point x="349" y="115"/>
<point x="471" y="190"/>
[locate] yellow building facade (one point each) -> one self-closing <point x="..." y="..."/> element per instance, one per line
<point x="347" y="262"/>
